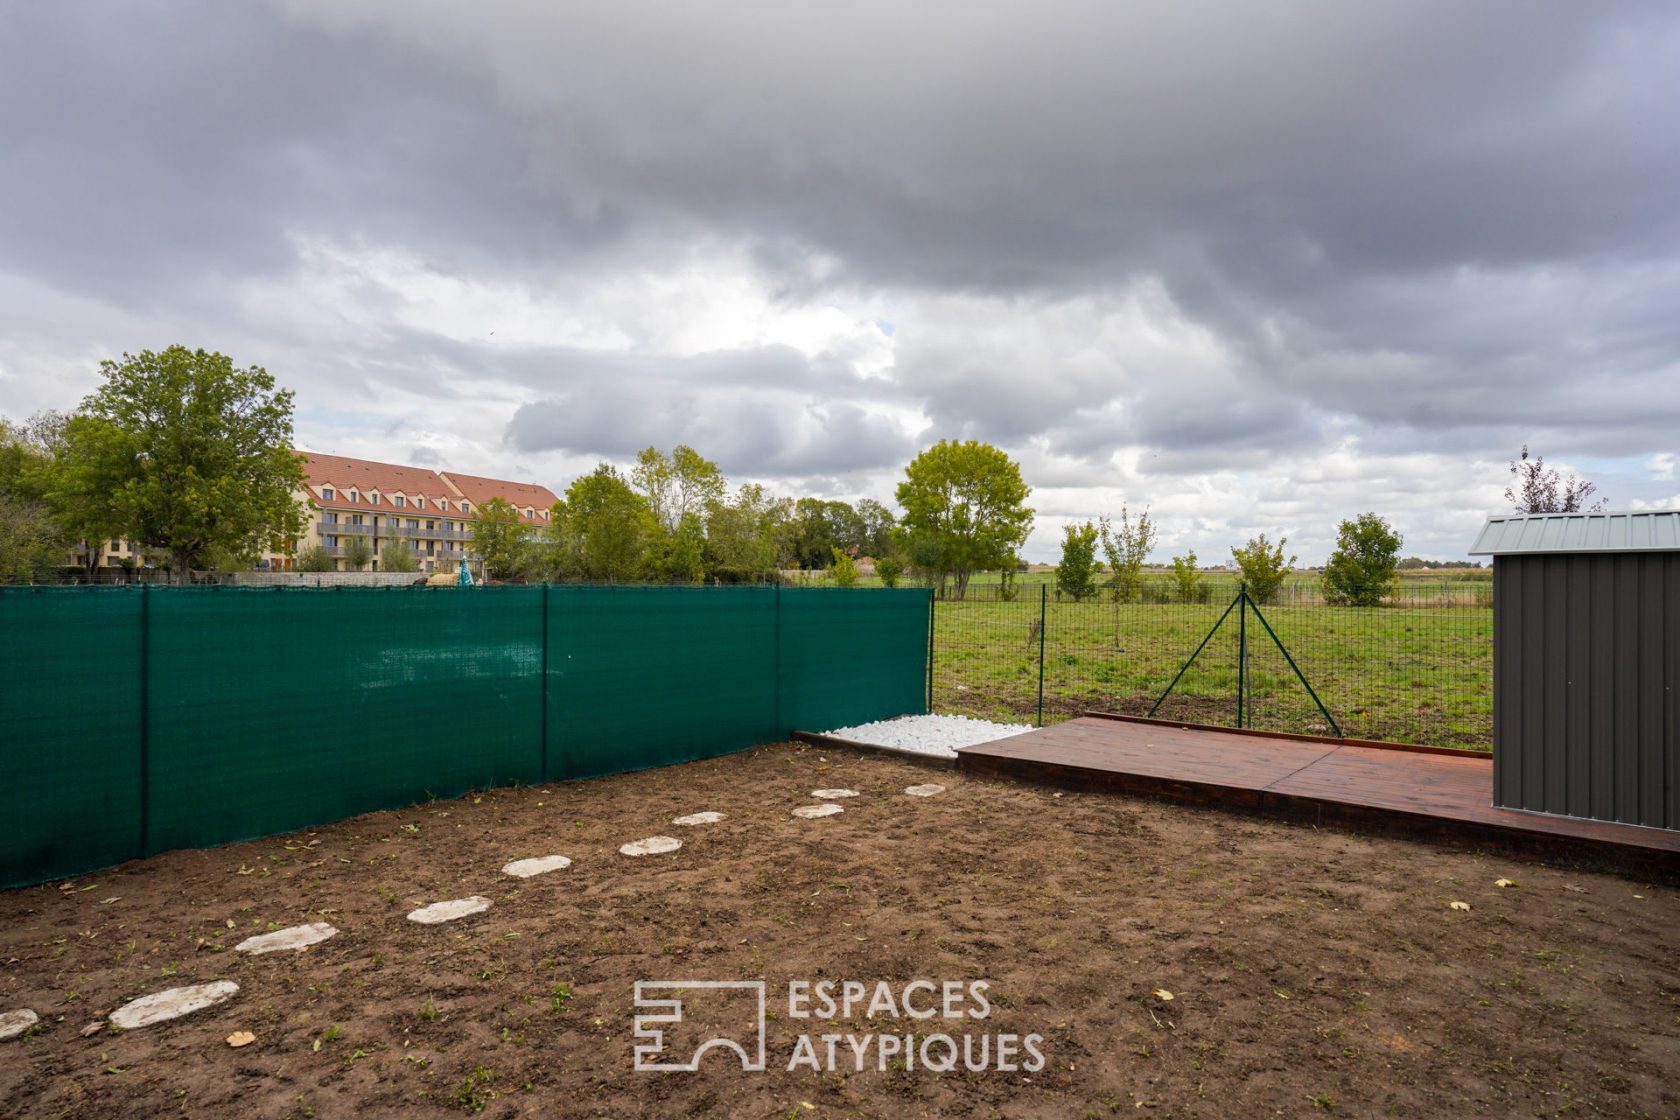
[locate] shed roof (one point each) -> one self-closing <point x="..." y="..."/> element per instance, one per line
<point x="1643" y="531"/>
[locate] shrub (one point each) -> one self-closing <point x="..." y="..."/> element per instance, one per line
<point x="1074" y="575"/>
<point x="1186" y="577"/>
<point x="889" y="568"/>
<point x="396" y="556"/>
<point x="1364" y="567"/>
<point x="358" y="553"/>
<point x="316" y="558"/>
<point x="845" y="569"/>
<point x="1263" y="567"/>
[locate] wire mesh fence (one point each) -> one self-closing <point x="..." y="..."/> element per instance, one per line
<point x="1418" y="669"/>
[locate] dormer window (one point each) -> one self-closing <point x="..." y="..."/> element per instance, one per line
<point x="401" y="501"/>
<point x="466" y="507"/>
<point x="353" y="496"/>
<point x="529" y="512"/>
<point x="326" y="493"/>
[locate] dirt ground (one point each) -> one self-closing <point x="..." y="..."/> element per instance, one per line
<point x="1310" y="972"/>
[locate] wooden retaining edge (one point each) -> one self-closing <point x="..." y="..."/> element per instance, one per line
<point x="1378" y="744"/>
<point x="1317" y="811"/>
<point x="817" y="740"/>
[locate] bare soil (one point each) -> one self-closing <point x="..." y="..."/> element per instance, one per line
<point x="1311" y="972"/>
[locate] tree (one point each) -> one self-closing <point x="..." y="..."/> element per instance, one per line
<point x="845" y="569"/>
<point x="1263" y="567"/>
<point x="964" y="510"/>
<point x="498" y="538"/>
<point x="1074" y="575"/>
<point x="744" y="536"/>
<point x="889" y="567"/>
<point x="358" y="552"/>
<point x="316" y="558"/>
<point x="682" y="557"/>
<point x="395" y="555"/>
<point x="875" y="523"/>
<point x="819" y="527"/>
<point x="184" y="452"/>
<point x="1364" y="567"/>
<point x="1127" y="549"/>
<point x="32" y="541"/>
<point x="1539" y="489"/>
<point x="678" y="485"/>
<point x="1186" y="577"/>
<point x="602" y="527"/>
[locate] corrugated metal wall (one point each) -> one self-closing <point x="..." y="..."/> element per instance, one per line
<point x="1586" y="717"/>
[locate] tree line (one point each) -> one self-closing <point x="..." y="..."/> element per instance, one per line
<point x="190" y="457"/>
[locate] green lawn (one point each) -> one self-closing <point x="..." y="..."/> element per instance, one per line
<point x="1420" y="674"/>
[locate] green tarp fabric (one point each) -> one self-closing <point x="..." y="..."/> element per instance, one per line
<point x="137" y="720"/>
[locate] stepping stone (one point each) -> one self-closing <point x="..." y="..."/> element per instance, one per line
<point x="832" y="794"/>
<point x="160" y="1007"/>
<point x="698" y="818"/>
<point x="14" y="1023"/>
<point x="525" y="868"/>
<point x="811" y="812"/>
<point x="439" y="912"/>
<point x="652" y="846"/>
<point x="928" y="790"/>
<point x="297" y="937"/>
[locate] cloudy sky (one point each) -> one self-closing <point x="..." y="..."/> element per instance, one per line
<point x="1259" y="266"/>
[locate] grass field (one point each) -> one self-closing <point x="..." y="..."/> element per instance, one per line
<point x="1420" y="674"/>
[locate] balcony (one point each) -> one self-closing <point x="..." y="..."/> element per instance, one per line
<point x="344" y="529"/>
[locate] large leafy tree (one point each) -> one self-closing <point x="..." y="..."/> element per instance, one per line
<point x="602" y="528"/>
<point x="964" y="510"/>
<point x="745" y="535"/>
<point x="681" y="484"/>
<point x="498" y="538"/>
<point x="183" y="452"/>
<point x="32" y="541"/>
<point x="819" y="527"/>
<point x="1366" y="563"/>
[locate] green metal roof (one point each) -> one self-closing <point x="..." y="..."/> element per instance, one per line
<point x="1645" y="531"/>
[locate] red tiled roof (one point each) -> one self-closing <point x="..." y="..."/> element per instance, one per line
<point x="520" y="495"/>
<point x="365" y="477"/>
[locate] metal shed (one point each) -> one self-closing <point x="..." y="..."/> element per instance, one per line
<point x="1586" y="664"/>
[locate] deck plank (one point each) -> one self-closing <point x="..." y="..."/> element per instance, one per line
<point x="1437" y="793"/>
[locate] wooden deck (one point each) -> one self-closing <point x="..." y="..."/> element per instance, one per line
<point x="1435" y="792"/>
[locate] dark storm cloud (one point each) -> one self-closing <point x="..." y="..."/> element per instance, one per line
<point x="1430" y="225"/>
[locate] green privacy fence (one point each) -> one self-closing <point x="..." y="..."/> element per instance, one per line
<point x="135" y="720"/>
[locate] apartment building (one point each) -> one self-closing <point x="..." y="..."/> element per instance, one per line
<point x="431" y="513"/>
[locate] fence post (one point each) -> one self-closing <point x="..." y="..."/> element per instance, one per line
<point x="145" y="721"/>
<point x="930" y="653"/>
<point x="543" y="721"/>
<point x="1043" y="603"/>
<point x="1242" y="648"/>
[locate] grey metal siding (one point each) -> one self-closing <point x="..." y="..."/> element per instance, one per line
<point x="1587" y="685"/>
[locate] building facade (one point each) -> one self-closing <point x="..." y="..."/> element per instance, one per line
<point x="429" y="514"/>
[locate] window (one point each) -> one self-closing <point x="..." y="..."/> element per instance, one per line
<point x="431" y="525"/>
<point x="401" y="501"/>
<point x="466" y="507"/>
<point x="326" y="493"/>
<point x="414" y="523"/>
<point x="116" y="546"/>
<point x="331" y="542"/>
<point x="528" y="512"/>
<point x="353" y="496"/>
<point x="329" y="519"/>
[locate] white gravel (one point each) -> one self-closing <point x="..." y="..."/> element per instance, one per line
<point x="939" y="736"/>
